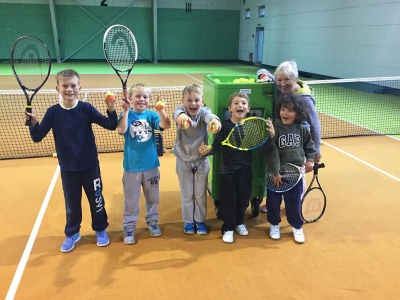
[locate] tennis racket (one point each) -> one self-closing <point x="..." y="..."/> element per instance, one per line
<point x="31" y="64"/>
<point x="291" y="175"/>
<point x="120" y="50"/>
<point x="314" y="200"/>
<point x="248" y="134"/>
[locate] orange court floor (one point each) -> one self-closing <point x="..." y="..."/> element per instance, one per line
<point x="350" y="253"/>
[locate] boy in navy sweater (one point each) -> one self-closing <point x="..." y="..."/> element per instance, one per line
<point x="71" y="121"/>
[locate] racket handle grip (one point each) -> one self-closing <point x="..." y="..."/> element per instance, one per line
<point x="125" y="94"/>
<point x="28" y="122"/>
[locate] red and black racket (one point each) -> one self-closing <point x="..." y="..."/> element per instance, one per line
<point x="120" y="50"/>
<point x="31" y="64"/>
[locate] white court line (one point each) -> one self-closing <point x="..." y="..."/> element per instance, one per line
<point x="28" y="248"/>
<point x="193" y="78"/>
<point x="362" y="161"/>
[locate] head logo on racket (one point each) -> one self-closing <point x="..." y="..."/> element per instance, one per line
<point x="120" y="51"/>
<point x="31" y="64"/>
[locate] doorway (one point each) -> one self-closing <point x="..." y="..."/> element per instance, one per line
<point x="258" y="49"/>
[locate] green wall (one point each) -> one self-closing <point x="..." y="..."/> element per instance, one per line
<point x="200" y="35"/>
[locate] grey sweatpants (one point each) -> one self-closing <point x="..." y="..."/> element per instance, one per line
<point x="193" y="184"/>
<point x="132" y="181"/>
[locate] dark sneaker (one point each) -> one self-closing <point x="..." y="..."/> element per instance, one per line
<point x="69" y="243"/>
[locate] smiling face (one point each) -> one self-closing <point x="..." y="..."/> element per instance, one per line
<point x="287" y="114"/>
<point x="286" y="84"/>
<point x="239" y="107"/>
<point x="193" y="101"/>
<point x="68" y="88"/>
<point x="140" y="98"/>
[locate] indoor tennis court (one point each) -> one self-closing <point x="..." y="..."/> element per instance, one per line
<point x="347" y="51"/>
<point x="343" y="257"/>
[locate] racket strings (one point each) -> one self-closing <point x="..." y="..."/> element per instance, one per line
<point x="249" y="134"/>
<point x="290" y="176"/>
<point x="120" y="47"/>
<point x="31" y="62"/>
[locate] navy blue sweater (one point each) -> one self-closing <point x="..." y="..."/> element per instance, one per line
<point x="73" y="134"/>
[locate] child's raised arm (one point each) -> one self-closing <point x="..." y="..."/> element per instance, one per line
<point x="123" y="121"/>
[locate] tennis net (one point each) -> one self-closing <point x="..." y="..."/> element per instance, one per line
<point x="346" y="107"/>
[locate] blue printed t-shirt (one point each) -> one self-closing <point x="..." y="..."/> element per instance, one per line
<point x="140" y="148"/>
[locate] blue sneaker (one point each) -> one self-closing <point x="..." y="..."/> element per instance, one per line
<point x="188" y="228"/>
<point x="102" y="238"/>
<point x="201" y="228"/>
<point x="69" y="243"/>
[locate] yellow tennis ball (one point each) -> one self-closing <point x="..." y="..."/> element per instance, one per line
<point x="236" y="81"/>
<point x="55" y="154"/>
<point x="186" y="124"/>
<point x="252" y="80"/>
<point x="211" y="128"/>
<point x="160" y="105"/>
<point x="110" y="96"/>
<point x="217" y="80"/>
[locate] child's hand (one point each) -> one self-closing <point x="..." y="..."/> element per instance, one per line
<point x="204" y="149"/>
<point x="215" y="126"/>
<point x="31" y="115"/>
<point x="278" y="180"/>
<point x="183" y="121"/>
<point x="308" y="165"/>
<point x="110" y="105"/>
<point x="126" y="103"/>
<point x="270" y="128"/>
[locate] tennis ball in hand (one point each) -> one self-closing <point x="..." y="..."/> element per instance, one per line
<point x="186" y="124"/>
<point x="160" y="105"/>
<point x="110" y="96"/>
<point x="211" y="128"/>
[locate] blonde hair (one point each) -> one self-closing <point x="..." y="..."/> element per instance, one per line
<point x="68" y="73"/>
<point x="192" y="88"/>
<point x="289" y="68"/>
<point x="140" y="87"/>
<point x="240" y="95"/>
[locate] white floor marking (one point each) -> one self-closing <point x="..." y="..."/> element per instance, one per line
<point x="364" y="162"/>
<point x="28" y="248"/>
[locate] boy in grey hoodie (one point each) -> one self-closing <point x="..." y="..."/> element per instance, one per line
<point x="192" y="168"/>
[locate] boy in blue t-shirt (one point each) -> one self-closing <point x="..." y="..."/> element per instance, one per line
<point x="141" y="163"/>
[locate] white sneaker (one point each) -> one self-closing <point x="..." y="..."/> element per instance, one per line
<point x="299" y="235"/>
<point x="274" y="232"/>
<point x="228" y="237"/>
<point x="241" y="230"/>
